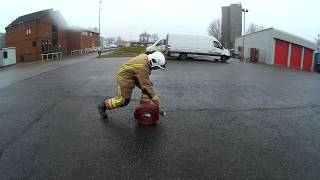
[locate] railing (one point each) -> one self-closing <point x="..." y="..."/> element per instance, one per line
<point x="51" y="56"/>
<point x="76" y="52"/>
<point x="85" y="51"/>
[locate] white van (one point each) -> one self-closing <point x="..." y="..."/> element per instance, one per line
<point x="187" y="45"/>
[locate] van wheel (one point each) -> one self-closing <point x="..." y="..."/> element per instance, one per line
<point x="183" y="56"/>
<point x="223" y="59"/>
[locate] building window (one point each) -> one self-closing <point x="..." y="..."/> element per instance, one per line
<point x="90" y="34"/>
<point x="84" y="33"/>
<point x="34" y="43"/>
<point x="5" y="54"/>
<point x="28" y="31"/>
<point x="239" y="48"/>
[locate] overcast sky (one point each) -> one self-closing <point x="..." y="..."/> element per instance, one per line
<point x="128" y="18"/>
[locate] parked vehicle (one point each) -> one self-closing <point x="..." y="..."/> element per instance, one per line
<point x="159" y="45"/>
<point x="183" y="46"/>
<point x="111" y="46"/>
<point x="317" y="61"/>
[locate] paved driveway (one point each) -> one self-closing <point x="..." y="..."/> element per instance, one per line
<point x="225" y="121"/>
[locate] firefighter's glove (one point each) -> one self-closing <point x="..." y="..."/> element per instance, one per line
<point x="156" y="100"/>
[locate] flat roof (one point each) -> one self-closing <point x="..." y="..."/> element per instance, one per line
<point x="285" y="36"/>
<point x="77" y="28"/>
<point x="7" y="48"/>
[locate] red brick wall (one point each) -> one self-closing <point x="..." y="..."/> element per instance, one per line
<point x="74" y="38"/>
<point x="91" y="40"/>
<point x="44" y="33"/>
<point x="80" y="40"/>
<point x="41" y="31"/>
<point x="63" y="40"/>
<point x="17" y="37"/>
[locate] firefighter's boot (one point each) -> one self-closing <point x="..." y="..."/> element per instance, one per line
<point x="102" y="110"/>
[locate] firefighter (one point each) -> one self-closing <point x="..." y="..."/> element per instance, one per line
<point x="135" y="72"/>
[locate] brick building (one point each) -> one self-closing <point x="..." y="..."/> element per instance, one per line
<point x="37" y="33"/>
<point x="44" y="32"/>
<point x="82" y="39"/>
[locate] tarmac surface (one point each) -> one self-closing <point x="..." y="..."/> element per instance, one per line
<point x="224" y="121"/>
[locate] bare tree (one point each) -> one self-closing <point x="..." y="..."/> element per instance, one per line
<point x="254" y="28"/>
<point x="154" y="37"/>
<point x="119" y="41"/>
<point x="214" y="29"/>
<point x="110" y="40"/>
<point x="144" y="37"/>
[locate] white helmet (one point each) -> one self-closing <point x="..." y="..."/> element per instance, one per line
<point x="157" y="59"/>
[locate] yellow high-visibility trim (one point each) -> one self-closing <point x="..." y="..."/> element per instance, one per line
<point x="125" y="79"/>
<point x="113" y="102"/>
<point x="155" y="98"/>
<point x="117" y="101"/>
<point x="129" y="66"/>
<point x="135" y="65"/>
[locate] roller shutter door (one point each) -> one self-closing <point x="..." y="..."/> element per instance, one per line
<point x="307" y="61"/>
<point x="295" y="58"/>
<point x="281" y="52"/>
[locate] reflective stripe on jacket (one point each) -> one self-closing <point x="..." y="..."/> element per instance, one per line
<point x="137" y="71"/>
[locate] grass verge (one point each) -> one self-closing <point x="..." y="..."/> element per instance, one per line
<point x="129" y="51"/>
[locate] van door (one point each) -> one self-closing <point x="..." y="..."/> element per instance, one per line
<point x="218" y="49"/>
<point x="161" y="45"/>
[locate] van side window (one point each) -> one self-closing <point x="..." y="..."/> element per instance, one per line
<point x="216" y="44"/>
<point x="162" y="42"/>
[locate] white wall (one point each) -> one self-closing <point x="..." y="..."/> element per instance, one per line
<point x="265" y="42"/>
<point x="11" y="56"/>
<point x="262" y="40"/>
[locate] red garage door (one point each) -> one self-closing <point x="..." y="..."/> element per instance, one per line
<point x="295" y="58"/>
<point x="307" y="61"/>
<point x="281" y="53"/>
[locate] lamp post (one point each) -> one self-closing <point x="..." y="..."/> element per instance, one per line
<point x="100" y="2"/>
<point x="244" y="30"/>
<point x="318" y="42"/>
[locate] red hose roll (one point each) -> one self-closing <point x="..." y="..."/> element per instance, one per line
<point x="146" y="113"/>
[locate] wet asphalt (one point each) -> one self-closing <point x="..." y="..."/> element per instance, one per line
<point x="224" y="121"/>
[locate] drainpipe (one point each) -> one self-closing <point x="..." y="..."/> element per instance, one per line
<point x="37" y="44"/>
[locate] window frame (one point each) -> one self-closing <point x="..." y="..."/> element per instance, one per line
<point x="163" y="44"/>
<point x="5" y="54"/>
<point x="28" y="31"/>
<point x="216" y="43"/>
